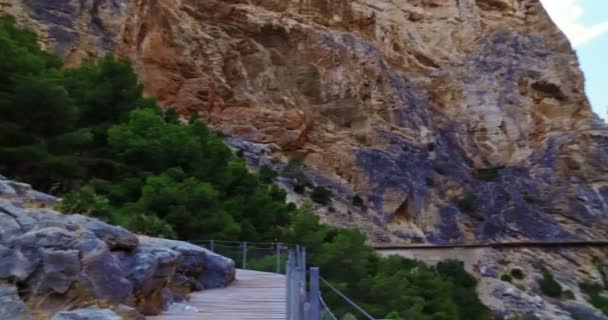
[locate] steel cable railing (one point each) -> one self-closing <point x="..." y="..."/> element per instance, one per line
<point x="259" y="256"/>
<point x="326" y="308"/>
<point x="303" y="294"/>
<point x="343" y="296"/>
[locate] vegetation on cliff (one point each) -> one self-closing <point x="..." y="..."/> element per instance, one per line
<point x="89" y="134"/>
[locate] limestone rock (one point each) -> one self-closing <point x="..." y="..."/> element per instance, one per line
<point x="379" y="97"/>
<point x="411" y="105"/>
<point x="204" y="267"/>
<point x="87" y="314"/>
<point x="11" y="306"/>
<point x="73" y="257"/>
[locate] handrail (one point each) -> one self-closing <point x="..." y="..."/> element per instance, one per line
<point x="304" y="300"/>
<point x="234" y="241"/>
<point x="506" y="244"/>
<point x="327" y="309"/>
<point x="352" y="303"/>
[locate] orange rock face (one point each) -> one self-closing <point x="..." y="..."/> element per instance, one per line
<point x="453" y="120"/>
<point x="401" y="102"/>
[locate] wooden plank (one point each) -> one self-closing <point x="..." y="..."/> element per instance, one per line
<point x="252" y="296"/>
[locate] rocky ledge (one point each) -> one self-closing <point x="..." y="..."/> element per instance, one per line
<point x="51" y="262"/>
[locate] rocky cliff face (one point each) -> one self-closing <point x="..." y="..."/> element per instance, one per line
<point x="50" y="261"/>
<point x="412" y="104"/>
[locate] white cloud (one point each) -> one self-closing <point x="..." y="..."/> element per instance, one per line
<point x="567" y="14"/>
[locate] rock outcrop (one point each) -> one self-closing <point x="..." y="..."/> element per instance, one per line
<point x="51" y="261"/>
<point x="453" y="120"/>
<point x="412" y="105"/>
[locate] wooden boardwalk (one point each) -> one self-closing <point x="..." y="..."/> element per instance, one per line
<point x="252" y="296"/>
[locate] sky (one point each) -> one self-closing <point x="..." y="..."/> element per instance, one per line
<point x="585" y="23"/>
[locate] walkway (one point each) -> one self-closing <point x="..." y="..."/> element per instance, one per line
<point x="253" y="295"/>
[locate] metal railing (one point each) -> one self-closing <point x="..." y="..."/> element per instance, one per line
<point x="259" y="256"/>
<point x="304" y="299"/>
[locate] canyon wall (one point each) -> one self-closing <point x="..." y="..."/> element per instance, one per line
<point x="453" y="120"/>
<point x="416" y="105"/>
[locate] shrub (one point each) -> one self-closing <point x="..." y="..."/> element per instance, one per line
<point x="299" y="188"/>
<point x="293" y="170"/>
<point x="529" y="316"/>
<point x="528" y="197"/>
<point x="568" y="294"/>
<point x="321" y="195"/>
<point x="517" y="273"/>
<point x="86" y="203"/>
<point x="429" y="181"/>
<point x="506" y="277"/>
<point x="467" y="202"/>
<point x="151" y="225"/>
<point x="595" y="295"/>
<point x="488" y="174"/>
<point x="548" y="285"/>
<point x="267" y="175"/>
<point x="358" y="201"/>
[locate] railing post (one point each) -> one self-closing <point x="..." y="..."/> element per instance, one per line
<point x="314" y="294"/>
<point x="295" y="289"/>
<point x="288" y="272"/>
<point x="303" y="275"/>
<point x="212" y="245"/>
<point x="278" y="257"/>
<point x="306" y="311"/>
<point x="298" y="257"/>
<point x="244" y="255"/>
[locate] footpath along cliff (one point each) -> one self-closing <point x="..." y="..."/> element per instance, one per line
<point x="438" y="121"/>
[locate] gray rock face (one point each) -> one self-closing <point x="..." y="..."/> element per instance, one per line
<point x="11" y="306"/>
<point x="49" y="253"/>
<point x="23" y="193"/>
<point x="87" y="314"/>
<point x="198" y="265"/>
<point x="583" y="312"/>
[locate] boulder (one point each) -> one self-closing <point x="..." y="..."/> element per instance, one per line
<point x="104" y="277"/>
<point x="202" y="266"/>
<point x="60" y="268"/>
<point x="87" y="314"/>
<point x="115" y="237"/>
<point x="128" y="313"/>
<point x="14" y="264"/>
<point x="67" y="256"/>
<point x="11" y="306"/>
<point x="14" y="221"/>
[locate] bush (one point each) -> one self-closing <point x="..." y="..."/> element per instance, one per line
<point x="467" y="202"/>
<point x="151" y="225"/>
<point x="463" y="294"/>
<point x="321" y="195"/>
<point x="429" y="181"/>
<point x="358" y="201"/>
<point x="548" y="285"/>
<point x="506" y="277"/>
<point x="86" y="203"/>
<point x="299" y="188"/>
<point x="528" y="197"/>
<point x="488" y="174"/>
<point x="529" y="316"/>
<point x="595" y="295"/>
<point x="267" y="175"/>
<point x="568" y="294"/>
<point x="517" y="273"/>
